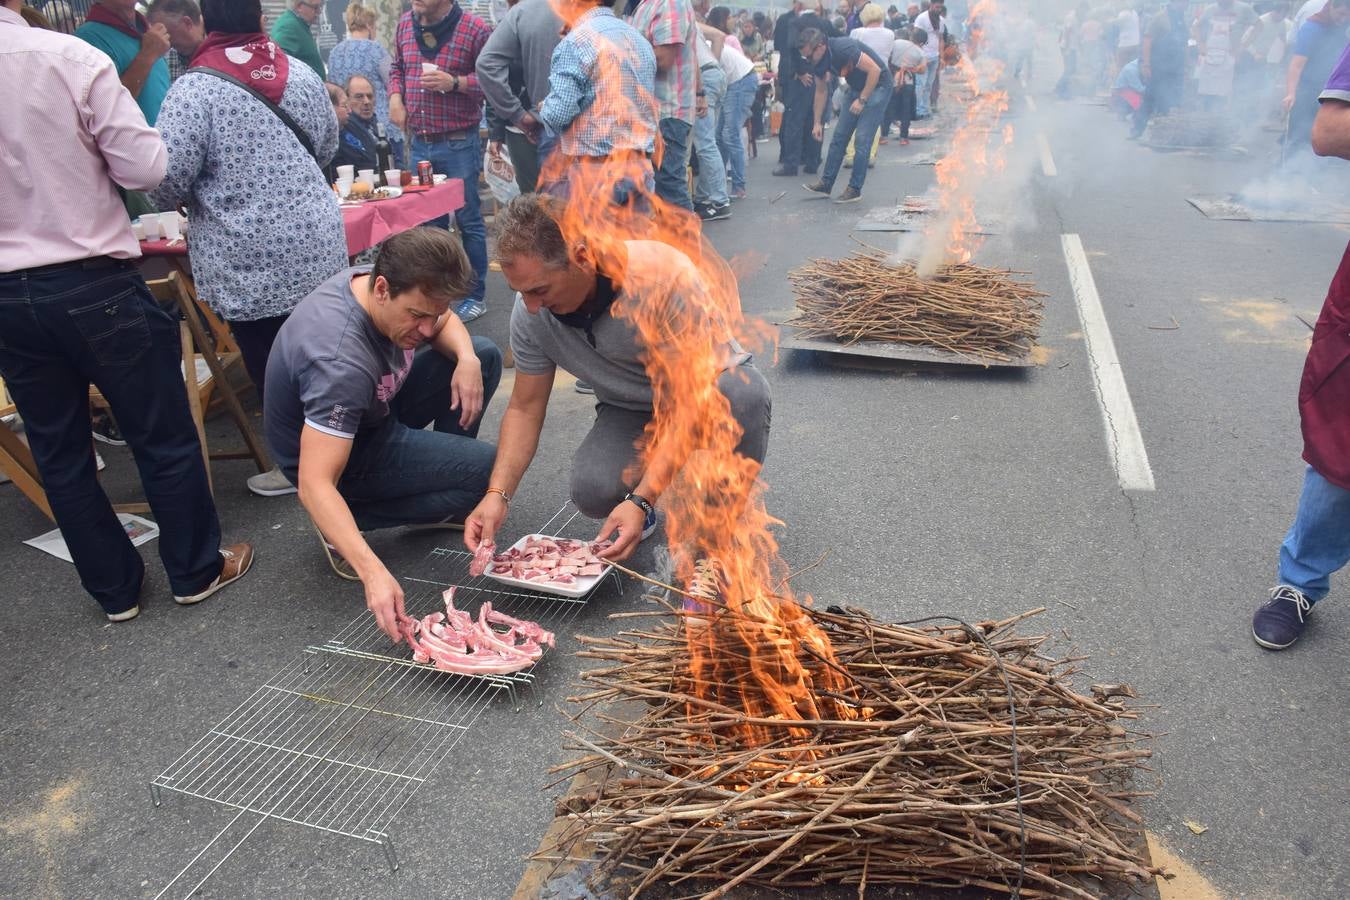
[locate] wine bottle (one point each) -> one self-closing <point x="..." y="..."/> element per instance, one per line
<point x="382" y="151"/>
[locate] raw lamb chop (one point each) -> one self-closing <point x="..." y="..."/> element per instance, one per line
<point x="456" y="642"/>
<point x="547" y="560"/>
<point x="482" y="558"/>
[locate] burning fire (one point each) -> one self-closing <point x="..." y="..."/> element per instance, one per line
<point x="970" y="159"/>
<point x="762" y="670"/>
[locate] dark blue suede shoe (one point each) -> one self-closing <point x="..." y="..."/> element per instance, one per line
<point x="1282" y="619"/>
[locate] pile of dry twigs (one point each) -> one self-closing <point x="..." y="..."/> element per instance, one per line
<point x="964" y="309"/>
<point x="922" y="786"/>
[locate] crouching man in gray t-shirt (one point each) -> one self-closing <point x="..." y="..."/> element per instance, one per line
<point x="348" y="398"/>
<point x="562" y="318"/>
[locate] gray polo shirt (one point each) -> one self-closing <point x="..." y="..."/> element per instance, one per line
<point x="658" y="277"/>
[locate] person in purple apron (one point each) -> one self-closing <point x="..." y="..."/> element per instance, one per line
<point x="1318" y="543"/>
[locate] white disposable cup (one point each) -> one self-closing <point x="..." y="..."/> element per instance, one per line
<point x="428" y="68"/>
<point x="393" y="177"/>
<point x="344" y="186"/>
<point x="366" y="175"/>
<point x="168" y="223"/>
<point x="138" y="231"/>
<point x="150" y="225"/>
<point x="347" y="172"/>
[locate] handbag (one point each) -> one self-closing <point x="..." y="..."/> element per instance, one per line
<point x="281" y="114"/>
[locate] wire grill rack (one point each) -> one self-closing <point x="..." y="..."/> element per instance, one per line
<point x="341" y="739"/>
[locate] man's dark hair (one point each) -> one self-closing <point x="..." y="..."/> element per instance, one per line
<point x="528" y="226"/>
<point x="232" y="16"/>
<point x="809" y="39"/>
<point x="348" y="86"/>
<point x="719" y="17"/>
<point x="431" y="259"/>
<point x="187" y="8"/>
<point x="918" y="36"/>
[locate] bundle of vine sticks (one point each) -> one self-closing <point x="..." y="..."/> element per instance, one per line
<point x="966" y="759"/>
<point x="965" y="309"/>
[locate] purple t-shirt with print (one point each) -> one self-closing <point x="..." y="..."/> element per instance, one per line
<point x="330" y="369"/>
<point x="1338" y="85"/>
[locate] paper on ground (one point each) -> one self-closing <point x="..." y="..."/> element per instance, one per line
<point x="139" y="530"/>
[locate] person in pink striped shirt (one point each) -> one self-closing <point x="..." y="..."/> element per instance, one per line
<point x="74" y="311"/>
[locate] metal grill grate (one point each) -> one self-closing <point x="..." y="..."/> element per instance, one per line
<point x="336" y="743"/>
<point x="342" y="738"/>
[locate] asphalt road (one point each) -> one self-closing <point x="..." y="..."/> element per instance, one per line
<point x="975" y="494"/>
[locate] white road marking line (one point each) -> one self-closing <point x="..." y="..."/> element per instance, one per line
<point x="1047" y="161"/>
<point x="1123" y="438"/>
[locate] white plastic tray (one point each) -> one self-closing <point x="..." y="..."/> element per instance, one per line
<point x="581" y="588"/>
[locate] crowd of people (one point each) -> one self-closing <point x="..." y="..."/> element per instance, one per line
<point x="371" y="385"/>
<point x="1262" y="63"/>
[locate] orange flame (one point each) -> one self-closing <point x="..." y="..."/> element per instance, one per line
<point x="760" y="666"/>
<point x="969" y="160"/>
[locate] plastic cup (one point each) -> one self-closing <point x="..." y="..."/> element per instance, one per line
<point x="428" y="68"/>
<point x="138" y="231"/>
<point x="393" y="177"/>
<point x="366" y="175"/>
<point x="150" y="225"/>
<point x="344" y="186"/>
<point x="347" y="172"/>
<point x="168" y="224"/>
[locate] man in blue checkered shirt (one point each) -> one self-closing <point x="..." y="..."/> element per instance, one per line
<point x="601" y="101"/>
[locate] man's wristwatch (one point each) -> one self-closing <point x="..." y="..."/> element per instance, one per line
<point x="641" y="502"/>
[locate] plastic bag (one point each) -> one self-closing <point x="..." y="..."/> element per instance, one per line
<point x="500" y="176"/>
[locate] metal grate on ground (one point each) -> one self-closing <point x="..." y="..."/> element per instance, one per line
<point x="446" y="567"/>
<point x="341" y="739"/>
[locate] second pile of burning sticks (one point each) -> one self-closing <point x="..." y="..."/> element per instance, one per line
<point x="964" y="309"/>
<point x="921" y="785"/>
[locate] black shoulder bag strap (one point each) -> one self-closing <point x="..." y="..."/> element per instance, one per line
<point x="284" y="116"/>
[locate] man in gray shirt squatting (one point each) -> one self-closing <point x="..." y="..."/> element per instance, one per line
<point x="349" y="397"/>
<point x="563" y="318"/>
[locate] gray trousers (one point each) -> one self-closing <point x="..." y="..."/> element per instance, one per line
<point x="598" y="483"/>
<point x="525" y="160"/>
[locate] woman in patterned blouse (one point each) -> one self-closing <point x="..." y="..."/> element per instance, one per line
<point x="266" y="227"/>
<point x="359" y="54"/>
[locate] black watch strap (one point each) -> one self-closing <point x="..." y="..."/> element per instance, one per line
<point x="641" y="502"/>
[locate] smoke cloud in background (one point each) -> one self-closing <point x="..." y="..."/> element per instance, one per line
<point x="1248" y="162"/>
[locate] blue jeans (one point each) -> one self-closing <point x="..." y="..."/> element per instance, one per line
<point x="711" y="186"/>
<point x="398" y="473"/>
<point x="464" y="160"/>
<point x="1318" y="543"/>
<point x="923" y="89"/>
<point x="672" y="177"/>
<point x="63" y="328"/>
<point x="865" y="125"/>
<point x="735" y="110"/>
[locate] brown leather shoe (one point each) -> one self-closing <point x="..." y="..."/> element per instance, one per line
<point x="238" y="558"/>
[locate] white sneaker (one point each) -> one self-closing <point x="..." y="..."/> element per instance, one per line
<point x="270" y="484"/>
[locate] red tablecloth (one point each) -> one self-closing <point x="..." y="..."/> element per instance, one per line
<point x="368" y="223"/>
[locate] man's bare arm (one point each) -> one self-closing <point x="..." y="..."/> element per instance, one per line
<point x="1331" y="129"/>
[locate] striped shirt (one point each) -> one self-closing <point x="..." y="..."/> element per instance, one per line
<point x="666" y="23"/>
<point x="433" y="112"/>
<point x="601" y="83"/>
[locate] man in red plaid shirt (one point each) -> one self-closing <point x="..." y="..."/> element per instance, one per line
<point x="434" y="97"/>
